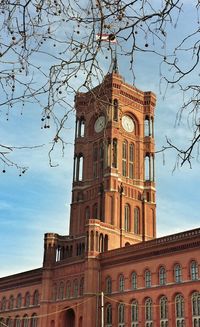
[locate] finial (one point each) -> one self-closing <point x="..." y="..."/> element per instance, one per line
<point x="115" y="64"/>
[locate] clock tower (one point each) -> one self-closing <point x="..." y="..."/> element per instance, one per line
<point x="113" y="192"/>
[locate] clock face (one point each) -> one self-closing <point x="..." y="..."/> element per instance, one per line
<point x="128" y="123"/>
<point x="99" y="124"/>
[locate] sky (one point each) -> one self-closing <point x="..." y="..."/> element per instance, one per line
<point x="39" y="201"/>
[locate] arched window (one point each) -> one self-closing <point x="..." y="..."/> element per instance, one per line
<point x="136" y="220"/>
<point x="177" y="273"/>
<point x="148" y="313"/>
<point x="114" y="154"/>
<point x="134" y="281"/>
<point x="61" y="291"/>
<point x="68" y="290"/>
<point x="121" y="315"/>
<point x="124" y="158"/>
<point x="195" y="309"/>
<point x="54" y="292"/>
<point x="179" y="302"/>
<point x="17" y="322"/>
<point x="163" y="311"/>
<point x="115" y="110"/>
<point x="162" y="276"/>
<point x="131" y="160"/>
<point x="3" y="304"/>
<point x="95" y="211"/>
<point x="34" y="320"/>
<point x="108" y="315"/>
<point x="101" y="243"/>
<point x="11" y="302"/>
<point x="147" y="167"/>
<point x="127" y="218"/>
<point x="101" y="158"/>
<point x="75" y="286"/>
<point x="121" y="283"/>
<point x="9" y="322"/>
<point x="108" y="285"/>
<point x="36" y="298"/>
<point x="81" y="292"/>
<point x="19" y="301"/>
<point x="78" y="167"/>
<point x="95" y="160"/>
<point x="106" y="243"/>
<point x="27" y="299"/>
<point x="87" y="213"/>
<point x="147" y="278"/>
<point x="82" y="127"/>
<point x="147" y="131"/>
<point x="194" y="271"/>
<point x="25" y="322"/>
<point x="134" y="314"/>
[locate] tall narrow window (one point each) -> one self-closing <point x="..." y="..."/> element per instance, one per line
<point x="114" y="154"/>
<point x="115" y="110"/>
<point x="75" y="286"/>
<point x="163" y="312"/>
<point x="134" y="281"/>
<point x="147" y="278"/>
<point x="68" y="290"/>
<point x="81" y="292"/>
<point x="127" y="218"/>
<point x="162" y="276"/>
<point x="147" y="167"/>
<point x="95" y="211"/>
<point x="148" y="313"/>
<point x="147" y="126"/>
<point x="95" y="161"/>
<point x="36" y="298"/>
<point x="61" y="291"/>
<point x="134" y="314"/>
<point x="11" y="302"/>
<point x="121" y="283"/>
<point x="136" y="220"/>
<point x="25" y="321"/>
<point x="179" y="302"/>
<point x="19" y="301"/>
<point x="3" y="304"/>
<point x="27" y="299"/>
<point x="17" y="322"/>
<point x="195" y="309"/>
<point x="87" y="213"/>
<point x="121" y="315"/>
<point x="124" y="158"/>
<point x="108" y="285"/>
<point x="108" y="315"/>
<point x="177" y="273"/>
<point x="194" y="273"/>
<point x="34" y="320"/>
<point x="101" y="158"/>
<point x="131" y="160"/>
<point x="54" y="292"/>
<point x="82" y="127"/>
<point x="80" y="171"/>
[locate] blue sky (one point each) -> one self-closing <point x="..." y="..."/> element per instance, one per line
<point x="39" y="201"/>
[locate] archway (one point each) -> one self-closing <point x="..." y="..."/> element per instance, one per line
<point x="69" y="318"/>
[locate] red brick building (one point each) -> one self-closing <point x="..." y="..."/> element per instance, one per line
<point x="110" y="270"/>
